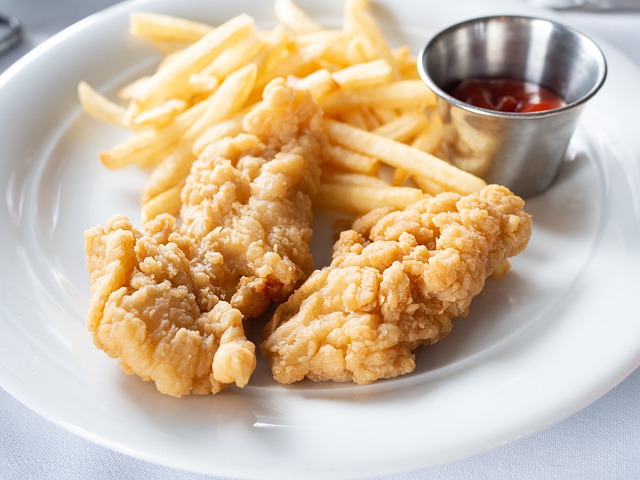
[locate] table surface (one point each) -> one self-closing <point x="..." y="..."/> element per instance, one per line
<point x="600" y="442"/>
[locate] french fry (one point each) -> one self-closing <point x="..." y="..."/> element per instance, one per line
<point x="385" y="115"/>
<point x="234" y="57"/>
<point x="403" y="156"/>
<point x="318" y="83"/>
<point x="167" y="82"/>
<point x="166" y="28"/>
<point x="160" y="115"/>
<point x="355" y="118"/>
<point x="227" y="128"/>
<point x="370" y="118"/>
<point x="226" y="101"/>
<point x="292" y="64"/>
<point x="401" y="94"/>
<point x="431" y="137"/>
<point x="130" y="90"/>
<point x="202" y="84"/>
<point x="355" y="52"/>
<point x="139" y="149"/>
<point x="363" y="198"/>
<point x="146" y="147"/>
<point x="404" y="127"/>
<point x="100" y="107"/>
<point x="170" y="56"/>
<point x="201" y="91"/>
<point x="337" y="56"/>
<point x="368" y="74"/>
<point x="172" y="170"/>
<point x="406" y="63"/>
<point x="277" y="46"/>
<point x="400" y="175"/>
<point x="360" y="22"/>
<point x="347" y="159"/>
<point x="167" y="202"/>
<point x="294" y="18"/>
<point x="347" y="178"/>
<point x="427" y="185"/>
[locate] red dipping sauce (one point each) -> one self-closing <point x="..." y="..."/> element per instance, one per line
<point x="506" y="95"/>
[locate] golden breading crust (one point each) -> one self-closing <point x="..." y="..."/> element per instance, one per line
<point x="169" y="300"/>
<point x="396" y="281"/>
<point x="144" y="311"/>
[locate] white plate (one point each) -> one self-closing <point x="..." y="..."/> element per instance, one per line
<point x="559" y="332"/>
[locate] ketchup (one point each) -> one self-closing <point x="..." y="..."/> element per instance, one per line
<point x="506" y="95"/>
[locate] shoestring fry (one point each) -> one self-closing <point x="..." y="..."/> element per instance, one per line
<point x="382" y="127"/>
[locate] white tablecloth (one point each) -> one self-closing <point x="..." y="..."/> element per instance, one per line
<point x="600" y="442"/>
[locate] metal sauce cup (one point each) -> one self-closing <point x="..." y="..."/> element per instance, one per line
<point x="522" y="151"/>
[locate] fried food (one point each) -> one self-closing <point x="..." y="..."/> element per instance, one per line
<point x="145" y="312"/>
<point x="248" y="198"/>
<point x="233" y="125"/>
<point x="169" y="300"/>
<point x="211" y="74"/>
<point x="396" y="281"/>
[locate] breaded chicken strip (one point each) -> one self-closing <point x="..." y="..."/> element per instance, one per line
<point x="248" y="198"/>
<point x="396" y="281"/>
<point x="169" y="300"/>
<point x="144" y="310"/>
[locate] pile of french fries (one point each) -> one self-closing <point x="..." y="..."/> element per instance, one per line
<point x="378" y="114"/>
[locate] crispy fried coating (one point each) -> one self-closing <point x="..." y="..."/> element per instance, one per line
<point x="248" y="199"/>
<point x="397" y="280"/>
<point x="144" y="310"/>
<point x="169" y="299"/>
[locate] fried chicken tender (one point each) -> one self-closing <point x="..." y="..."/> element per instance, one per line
<point x="144" y="311"/>
<point x="248" y="199"/>
<point x="169" y="300"/>
<point x="396" y="281"/>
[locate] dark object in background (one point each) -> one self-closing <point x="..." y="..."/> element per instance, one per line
<point x="10" y="30"/>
